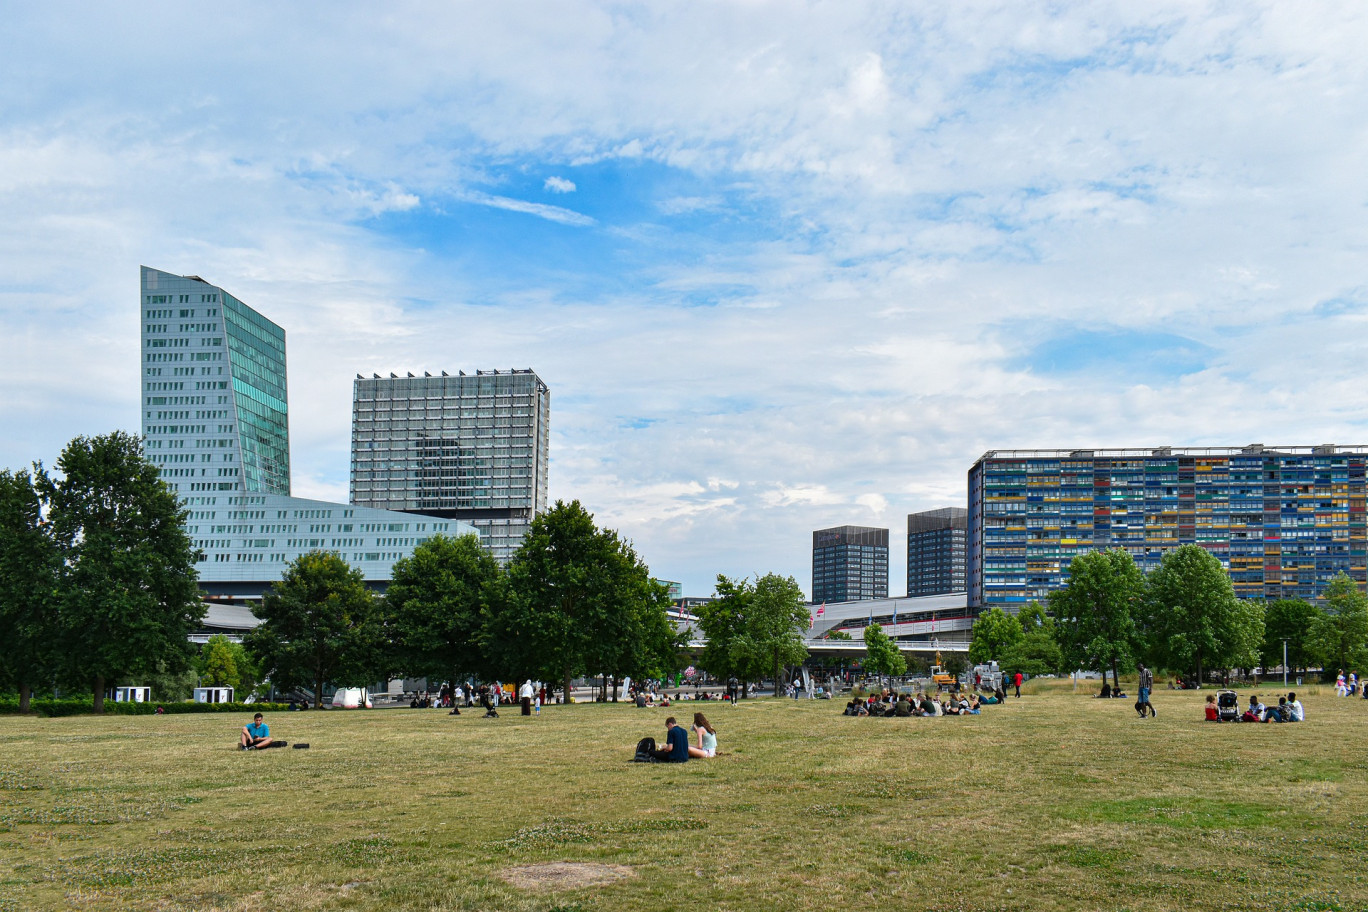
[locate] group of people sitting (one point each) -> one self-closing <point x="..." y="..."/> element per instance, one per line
<point x="1289" y="709"/>
<point x="919" y="704"/>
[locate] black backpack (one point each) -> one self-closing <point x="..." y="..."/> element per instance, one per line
<point x="645" y="751"/>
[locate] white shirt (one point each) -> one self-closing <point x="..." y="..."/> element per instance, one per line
<point x="526" y="689"/>
<point x="1298" y="713"/>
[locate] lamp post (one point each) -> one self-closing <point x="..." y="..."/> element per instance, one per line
<point x="1284" y="639"/>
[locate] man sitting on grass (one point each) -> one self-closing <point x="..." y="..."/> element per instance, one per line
<point x="256" y="735"/>
<point x="676" y="749"/>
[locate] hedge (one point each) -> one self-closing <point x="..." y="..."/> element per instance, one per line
<point x="79" y="707"/>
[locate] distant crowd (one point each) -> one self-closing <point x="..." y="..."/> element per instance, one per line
<point x="888" y="705"/>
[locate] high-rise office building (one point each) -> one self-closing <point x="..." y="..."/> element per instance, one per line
<point x="849" y="563"/>
<point x="468" y="447"/>
<point x="936" y="551"/>
<point x="1284" y="521"/>
<point x="215" y="419"/>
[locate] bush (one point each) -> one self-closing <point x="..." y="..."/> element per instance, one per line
<point x="84" y="706"/>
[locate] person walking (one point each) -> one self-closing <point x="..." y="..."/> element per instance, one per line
<point x="1146" y="685"/>
<point x="1341" y="689"/>
<point x="1016" y="681"/>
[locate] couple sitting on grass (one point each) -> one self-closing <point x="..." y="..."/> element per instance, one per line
<point x="677" y="748"/>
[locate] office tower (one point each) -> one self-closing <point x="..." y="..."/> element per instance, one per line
<point x="1284" y="521"/>
<point x="468" y="447"/>
<point x="214" y="392"/>
<point x="215" y="419"/>
<point x="936" y="551"/>
<point x="849" y="563"/>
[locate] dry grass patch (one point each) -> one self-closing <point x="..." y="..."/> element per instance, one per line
<point x="565" y="875"/>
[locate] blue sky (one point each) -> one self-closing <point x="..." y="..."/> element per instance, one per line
<point x="784" y="266"/>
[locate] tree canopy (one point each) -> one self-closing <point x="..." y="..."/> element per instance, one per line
<point x="127" y="583"/>
<point x="1194" y="619"/>
<point x="319" y="625"/>
<point x="1338" y="637"/>
<point x="28" y="587"/>
<point x="1094" y="611"/>
<point x="995" y="631"/>
<point x="580" y="601"/>
<point x="754" y="628"/>
<point x="437" y="606"/>
<point x="882" y="656"/>
<point x="1290" y="620"/>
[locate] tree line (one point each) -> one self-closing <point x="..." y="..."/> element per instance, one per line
<point x="98" y="584"/>
<point x="1184" y="616"/>
<point x="574" y="600"/>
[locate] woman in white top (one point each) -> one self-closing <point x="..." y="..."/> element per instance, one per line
<point x="707" y="738"/>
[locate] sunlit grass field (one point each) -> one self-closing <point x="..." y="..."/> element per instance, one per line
<point x="1054" y="801"/>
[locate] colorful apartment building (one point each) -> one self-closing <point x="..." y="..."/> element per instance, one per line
<point x="1283" y="520"/>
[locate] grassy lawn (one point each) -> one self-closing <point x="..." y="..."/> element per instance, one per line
<point x="1054" y="801"/>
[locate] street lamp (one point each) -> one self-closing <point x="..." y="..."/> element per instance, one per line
<point x="1284" y="639"/>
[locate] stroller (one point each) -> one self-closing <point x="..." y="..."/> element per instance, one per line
<point x="1228" y="705"/>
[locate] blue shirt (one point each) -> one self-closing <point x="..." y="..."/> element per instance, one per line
<point x="679" y="744"/>
<point x="258" y="730"/>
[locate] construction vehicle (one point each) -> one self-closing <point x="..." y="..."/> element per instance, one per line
<point x="941" y="678"/>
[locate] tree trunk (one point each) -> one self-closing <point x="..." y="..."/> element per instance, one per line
<point x="615" y="688"/>
<point x="1199" y="669"/>
<point x="318" y="691"/>
<point x="99" y="694"/>
<point x="25" y="693"/>
<point x="565" y="682"/>
<point x="1116" y="678"/>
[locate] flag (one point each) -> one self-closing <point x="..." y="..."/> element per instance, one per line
<point x="812" y="621"/>
<point x="821" y="609"/>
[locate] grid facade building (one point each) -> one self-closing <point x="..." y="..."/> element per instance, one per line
<point x="849" y="563"/>
<point x="936" y="547"/>
<point x="1283" y="520"/>
<point x="468" y="447"/>
<point x="215" y="419"/>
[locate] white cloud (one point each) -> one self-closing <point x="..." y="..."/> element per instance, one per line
<point x="559" y="185"/>
<point x="838" y="236"/>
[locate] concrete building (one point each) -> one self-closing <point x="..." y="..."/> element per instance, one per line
<point x="468" y="447"/>
<point x="936" y="547"/>
<point x="1283" y="520"/>
<point x="215" y="416"/>
<point x="849" y="563"/>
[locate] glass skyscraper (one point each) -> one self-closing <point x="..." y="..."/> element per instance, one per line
<point x="936" y="546"/>
<point x="1283" y="520"/>
<point x="470" y="446"/>
<point x="849" y="563"/>
<point x="215" y="419"/>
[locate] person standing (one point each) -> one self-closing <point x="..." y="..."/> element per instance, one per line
<point x="1016" y="681"/>
<point x="525" y="697"/>
<point x="1146" y="685"/>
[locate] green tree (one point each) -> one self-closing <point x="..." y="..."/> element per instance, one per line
<point x="1195" y="621"/>
<point x="28" y="580"/>
<point x="1035" y="617"/>
<point x="722" y="622"/>
<point x="772" y="636"/>
<point x="1094" y="611"/>
<point x="1339" y="637"/>
<point x="218" y="664"/>
<point x="994" y="633"/>
<point x="319" y="625"/>
<point x="1290" y="620"/>
<point x="581" y="601"/>
<point x="837" y="635"/>
<point x="1036" y="653"/>
<point x="127" y="586"/>
<point x="882" y="656"/>
<point x="437" y="606"/>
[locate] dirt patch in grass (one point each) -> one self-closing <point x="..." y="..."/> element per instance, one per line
<point x="565" y="875"/>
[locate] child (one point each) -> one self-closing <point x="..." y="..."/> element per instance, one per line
<point x="1212" y="714"/>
